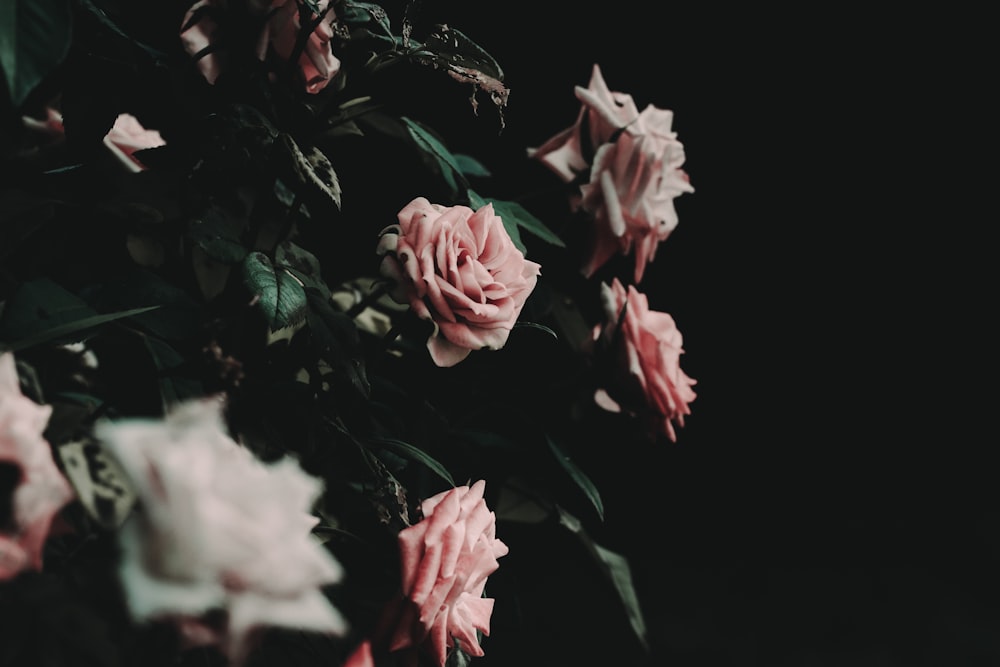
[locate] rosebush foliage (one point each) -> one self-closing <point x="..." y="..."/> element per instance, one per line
<point x="236" y="255"/>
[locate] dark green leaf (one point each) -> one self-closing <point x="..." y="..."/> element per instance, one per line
<point x="336" y="338"/>
<point x="41" y="311"/>
<point x="281" y="297"/>
<point x="220" y="234"/>
<point x="616" y="567"/>
<point x="578" y="476"/>
<point x="74" y="330"/>
<point x="470" y="166"/>
<point x="408" y="451"/>
<point x="302" y="263"/>
<point x="446" y="162"/>
<point x="524" y="219"/>
<point x="34" y="39"/>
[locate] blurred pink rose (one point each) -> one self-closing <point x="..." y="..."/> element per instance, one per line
<point x="646" y="348"/>
<point x="41" y="491"/>
<point x="218" y="529"/>
<point x="317" y="63"/>
<point x="281" y="29"/>
<point x="445" y="561"/>
<point x="631" y="192"/>
<point x="127" y="136"/>
<point x="461" y="270"/>
<point x="603" y="112"/>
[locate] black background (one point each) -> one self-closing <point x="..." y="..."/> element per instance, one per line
<point x="829" y="501"/>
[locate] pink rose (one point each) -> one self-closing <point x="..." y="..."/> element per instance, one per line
<point x="445" y="561"/>
<point x="281" y="30"/>
<point x="127" y="136"/>
<point x="633" y="184"/>
<point x="647" y="345"/>
<point x="460" y="270"/>
<point x="603" y="112"/>
<point x="317" y="63"/>
<point x="218" y="529"/>
<point x="41" y="490"/>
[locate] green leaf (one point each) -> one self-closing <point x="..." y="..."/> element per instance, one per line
<point x="578" y="476"/>
<point x="517" y="214"/>
<point x="477" y="202"/>
<point x="282" y="297"/>
<point x="220" y="234"/>
<point x="448" y="164"/>
<point x="34" y="39"/>
<point x="336" y="338"/>
<point x="408" y="451"/>
<point x="470" y="166"/>
<point x="616" y="568"/>
<point x="42" y="311"/>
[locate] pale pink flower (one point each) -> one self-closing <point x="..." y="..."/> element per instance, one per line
<point x="281" y="29"/>
<point x="631" y="192"/>
<point x="41" y="490"/>
<point x="124" y="139"/>
<point x="217" y="529"/>
<point x="317" y="63"/>
<point x="361" y="656"/>
<point x="127" y="136"/>
<point x="603" y="112"/>
<point x="645" y="348"/>
<point x="446" y="559"/>
<point x="459" y="269"/>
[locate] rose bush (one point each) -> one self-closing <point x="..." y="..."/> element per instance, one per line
<point x="445" y="560"/>
<point x="644" y="347"/>
<point x="40" y="490"/>
<point x="459" y="269"/>
<point x="218" y="530"/>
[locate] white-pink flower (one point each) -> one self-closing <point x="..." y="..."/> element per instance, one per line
<point x="633" y="184"/>
<point x="446" y="559"/>
<point x="217" y="529"/>
<point x="127" y="136"/>
<point x="644" y="348"/>
<point x="41" y="490"/>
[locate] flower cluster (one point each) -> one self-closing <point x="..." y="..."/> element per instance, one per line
<point x="251" y="396"/>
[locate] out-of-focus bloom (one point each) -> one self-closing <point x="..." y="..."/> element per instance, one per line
<point x="603" y="113"/>
<point x="445" y="561"/>
<point x="281" y="29"/>
<point x="645" y="347"/>
<point x="41" y="490"/>
<point x="459" y="269"/>
<point x="217" y="530"/>
<point x="317" y="63"/>
<point x="361" y="656"/>
<point x="124" y="139"/>
<point x="127" y="136"/>
<point x="631" y="192"/>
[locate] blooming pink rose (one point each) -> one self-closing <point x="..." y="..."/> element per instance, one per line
<point x="281" y="29"/>
<point x="459" y="269"/>
<point x="445" y="561"/>
<point x="41" y="490"/>
<point x="218" y="529"/>
<point x="648" y="344"/>
<point x="603" y="112"/>
<point x="631" y="192"/>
